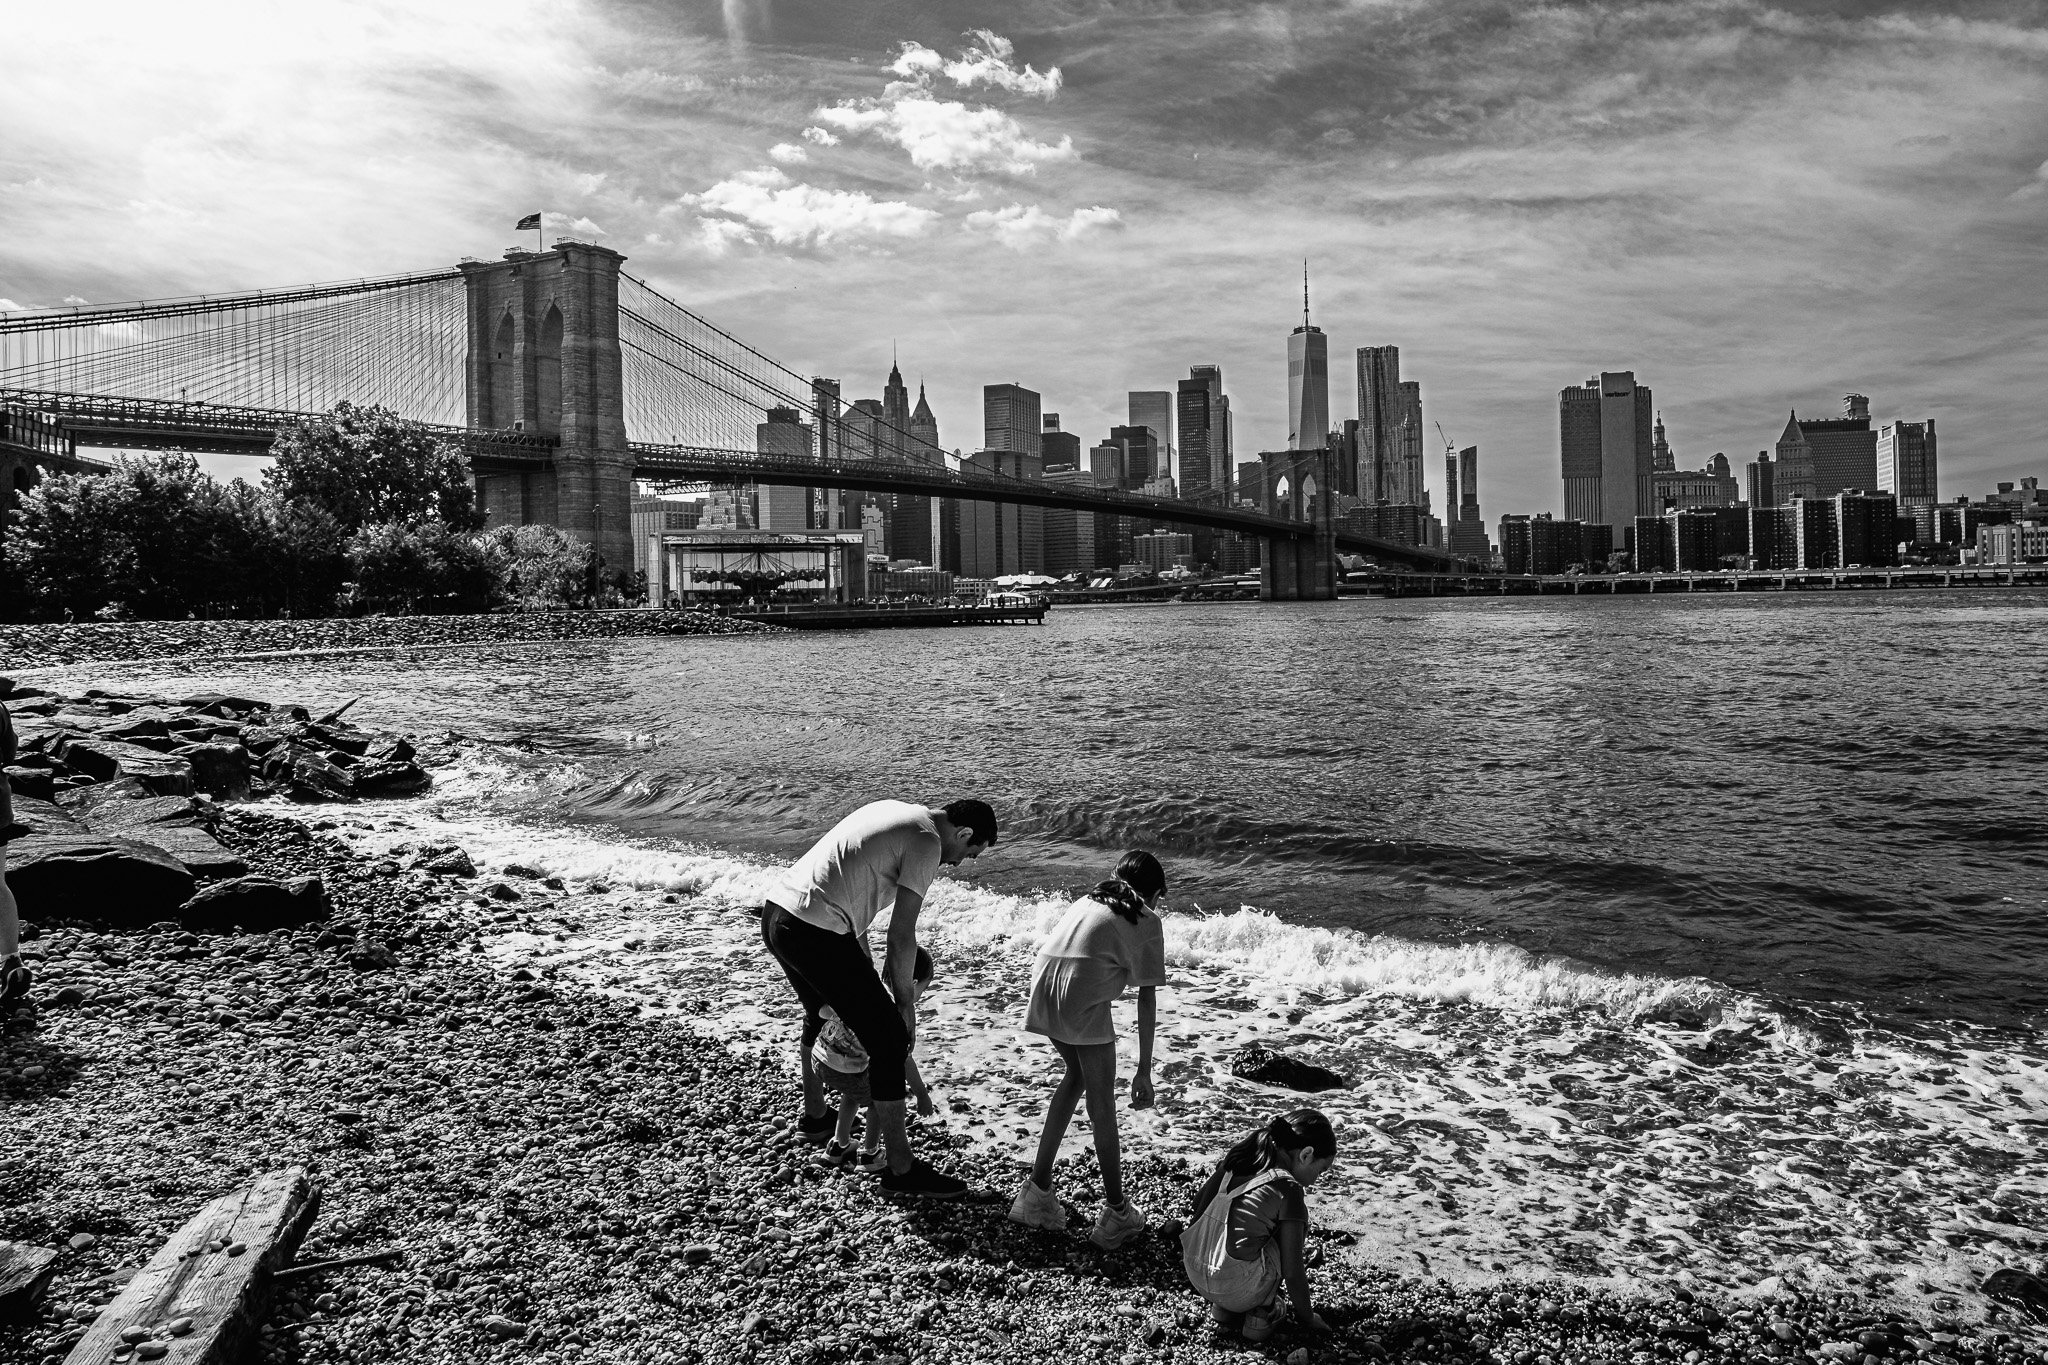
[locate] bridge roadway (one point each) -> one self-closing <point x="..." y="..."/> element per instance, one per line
<point x="215" y="428"/>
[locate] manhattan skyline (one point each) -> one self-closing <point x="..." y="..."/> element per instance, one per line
<point x="1516" y="202"/>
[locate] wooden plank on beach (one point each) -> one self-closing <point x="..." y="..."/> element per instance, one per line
<point x="202" y="1296"/>
<point x="25" y="1273"/>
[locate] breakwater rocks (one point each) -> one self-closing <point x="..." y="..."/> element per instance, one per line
<point x="563" y="1179"/>
<point x="38" y="646"/>
<point x="115" y="800"/>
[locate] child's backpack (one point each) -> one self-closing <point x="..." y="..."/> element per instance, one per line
<point x="1218" y="1276"/>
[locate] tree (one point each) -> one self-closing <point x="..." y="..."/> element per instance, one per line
<point x="421" y="566"/>
<point x="539" y="568"/>
<point x="365" y="466"/>
<point x="155" y="538"/>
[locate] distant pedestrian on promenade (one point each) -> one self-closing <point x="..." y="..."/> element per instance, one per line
<point x="842" y="1066"/>
<point x="1108" y="939"/>
<point x="1250" y="1226"/>
<point x="14" y="975"/>
<point x="815" y="922"/>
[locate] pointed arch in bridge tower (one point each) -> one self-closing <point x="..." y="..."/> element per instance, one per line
<point x="1297" y="487"/>
<point x="564" y="381"/>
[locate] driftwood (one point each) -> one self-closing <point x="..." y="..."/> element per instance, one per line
<point x="337" y="713"/>
<point x="25" y="1273"/>
<point x="367" y="1258"/>
<point x="201" y="1297"/>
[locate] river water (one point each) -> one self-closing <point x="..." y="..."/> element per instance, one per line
<point x="1667" y="936"/>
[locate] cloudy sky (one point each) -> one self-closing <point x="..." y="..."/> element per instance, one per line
<point x="1753" y="206"/>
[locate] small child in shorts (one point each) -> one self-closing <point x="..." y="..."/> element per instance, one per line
<point x="842" y="1064"/>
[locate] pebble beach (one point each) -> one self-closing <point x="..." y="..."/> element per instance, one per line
<point x="565" y="1175"/>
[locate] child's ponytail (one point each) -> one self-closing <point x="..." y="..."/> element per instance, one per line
<point x="1139" y="878"/>
<point x="1260" y="1150"/>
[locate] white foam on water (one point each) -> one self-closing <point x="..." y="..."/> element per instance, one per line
<point x="1509" y="1114"/>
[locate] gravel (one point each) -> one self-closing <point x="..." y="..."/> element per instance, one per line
<point x="40" y="646"/>
<point x="569" y="1181"/>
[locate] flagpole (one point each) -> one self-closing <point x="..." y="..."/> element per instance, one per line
<point x="540" y="232"/>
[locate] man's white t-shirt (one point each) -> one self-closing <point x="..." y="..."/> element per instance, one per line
<point x="853" y="874"/>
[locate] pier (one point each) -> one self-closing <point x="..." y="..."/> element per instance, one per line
<point x="1723" y="580"/>
<point x="893" y="618"/>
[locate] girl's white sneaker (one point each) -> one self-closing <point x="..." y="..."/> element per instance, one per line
<point x="1037" y="1208"/>
<point x="1117" y="1226"/>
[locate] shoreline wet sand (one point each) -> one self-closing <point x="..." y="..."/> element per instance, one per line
<point x="568" y="1177"/>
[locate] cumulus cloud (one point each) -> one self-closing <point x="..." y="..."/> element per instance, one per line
<point x="946" y="135"/>
<point x="991" y="60"/>
<point x="788" y="153"/>
<point x="1020" y="227"/>
<point x="821" y="137"/>
<point x="10" y="306"/>
<point x="766" y="205"/>
<point x="951" y="135"/>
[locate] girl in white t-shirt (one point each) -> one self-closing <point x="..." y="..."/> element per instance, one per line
<point x="1109" y="939"/>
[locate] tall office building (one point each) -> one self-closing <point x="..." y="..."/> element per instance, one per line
<point x="1203" y="419"/>
<point x="1072" y="538"/>
<point x="1058" y="448"/>
<point x="1410" y="486"/>
<point x="783" y="435"/>
<point x="1153" y="408"/>
<point x="1796" y="476"/>
<point x="825" y="420"/>
<point x="1010" y="419"/>
<point x="1606" y="443"/>
<point x="895" y="414"/>
<point x="1844" y="449"/>
<point x="1144" y="459"/>
<point x="1465" y="532"/>
<point x="1661" y="458"/>
<point x="1906" y="465"/>
<point x="1763" y="481"/>
<point x="1001" y="537"/>
<point x="924" y="431"/>
<point x="1308" y="381"/>
<point x="1381" y="413"/>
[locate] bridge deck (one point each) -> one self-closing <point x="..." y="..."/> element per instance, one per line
<point x="73" y="420"/>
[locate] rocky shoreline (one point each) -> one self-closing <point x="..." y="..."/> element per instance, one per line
<point x="45" y="646"/>
<point x="566" y="1178"/>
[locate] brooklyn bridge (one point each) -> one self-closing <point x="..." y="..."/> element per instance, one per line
<point x="566" y="381"/>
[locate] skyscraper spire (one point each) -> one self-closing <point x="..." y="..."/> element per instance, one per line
<point x="1304" y="291"/>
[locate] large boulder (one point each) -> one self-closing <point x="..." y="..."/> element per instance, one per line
<point x="315" y="777"/>
<point x="259" y="904"/>
<point x="219" y="770"/>
<point x="95" y="876"/>
<point x="107" y="760"/>
<point x="129" y="810"/>
<point x="373" y="778"/>
<point x="335" y="735"/>
<point x="207" y="857"/>
<point x="39" y="783"/>
<point x="1257" y="1062"/>
<point x="32" y="816"/>
<point x="261" y="739"/>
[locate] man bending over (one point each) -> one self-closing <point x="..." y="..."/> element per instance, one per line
<point x="815" y="923"/>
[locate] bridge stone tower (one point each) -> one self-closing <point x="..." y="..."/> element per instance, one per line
<point x="543" y="357"/>
<point x="1300" y="487"/>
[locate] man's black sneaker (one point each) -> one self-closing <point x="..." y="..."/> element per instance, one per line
<point x="816" y="1127"/>
<point x="922" y="1182"/>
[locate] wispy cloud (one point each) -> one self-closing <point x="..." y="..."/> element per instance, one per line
<point x="1020" y="227"/>
<point x="767" y="205"/>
